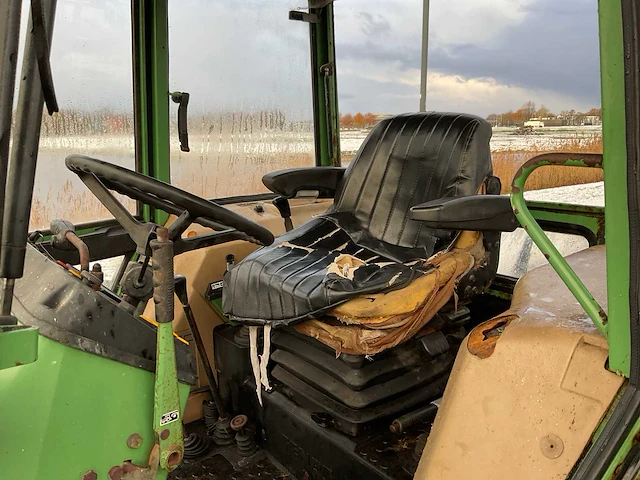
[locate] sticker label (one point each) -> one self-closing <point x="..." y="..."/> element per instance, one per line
<point x="169" y="417"/>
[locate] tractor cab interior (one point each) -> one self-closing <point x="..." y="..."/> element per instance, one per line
<point x="350" y="323"/>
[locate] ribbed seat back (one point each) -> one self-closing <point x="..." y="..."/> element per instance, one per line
<point x="410" y="159"/>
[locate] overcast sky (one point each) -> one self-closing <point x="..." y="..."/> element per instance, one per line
<point x="485" y="55"/>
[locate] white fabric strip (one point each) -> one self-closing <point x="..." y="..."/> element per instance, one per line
<point x="264" y="358"/>
<point x="255" y="361"/>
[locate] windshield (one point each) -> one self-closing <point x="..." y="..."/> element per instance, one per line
<point x="91" y="66"/>
<point x="246" y="68"/>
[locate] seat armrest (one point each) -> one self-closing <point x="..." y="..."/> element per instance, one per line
<point x="288" y="182"/>
<point x="483" y="213"/>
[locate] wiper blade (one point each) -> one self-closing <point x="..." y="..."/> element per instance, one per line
<point x="41" y="44"/>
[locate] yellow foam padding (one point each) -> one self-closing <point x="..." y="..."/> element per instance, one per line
<point x="380" y="308"/>
<point x="153" y="322"/>
<point x="370" y="324"/>
<point x="362" y="340"/>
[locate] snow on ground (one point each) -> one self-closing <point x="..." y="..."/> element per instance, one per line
<point x="502" y="139"/>
<point x="518" y="253"/>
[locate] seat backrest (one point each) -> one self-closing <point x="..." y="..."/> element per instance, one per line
<point x="410" y="159"/>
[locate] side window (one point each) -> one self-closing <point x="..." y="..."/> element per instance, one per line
<point x="518" y="253"/>
<point x="91" y="68"/>
<point x="246" y="68"/>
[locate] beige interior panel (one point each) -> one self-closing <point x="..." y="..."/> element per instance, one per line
<point x="528" y="408"/>
<point x="201" y="267"/>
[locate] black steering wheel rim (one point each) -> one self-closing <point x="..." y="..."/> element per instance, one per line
<point x="164" y="196"/>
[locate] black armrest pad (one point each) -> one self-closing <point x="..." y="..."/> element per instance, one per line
<point x="290" y="181"/>
<point x="483" y="213"/>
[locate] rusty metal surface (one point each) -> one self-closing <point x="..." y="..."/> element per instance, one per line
<point x="238" y="422"/>
<point x="82" y="248"/>
<point x="483" y="338"/>
<point x="90" y="475"/>
<point x="134" y="441"/>
<point x="129" y="471"/>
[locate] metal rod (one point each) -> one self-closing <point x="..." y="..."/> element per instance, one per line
<point x="542" y="241"/>
<point x="425" y="55"/>
<point x="6" y="296"/>
<point x="181" y="292"/>
<point x="83" y="250"/>
<point x="425" y="413"/>
<point x="24" y="156"/>
<point x="10" y="11"/>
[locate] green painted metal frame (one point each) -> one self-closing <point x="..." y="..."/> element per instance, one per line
<point x="18" y="345"/>
<point x="590" y="218"/>
<point x="81" y="403"/>
<point x="150" y="33"/>
<point x="528" y="222"/>
<point x="326" y="126"/>
<point x="615" y="181"/>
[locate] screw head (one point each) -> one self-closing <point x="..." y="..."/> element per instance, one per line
<point x="134" y="441"/>
<point x="164" y="434"/>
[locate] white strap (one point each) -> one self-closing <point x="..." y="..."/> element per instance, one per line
<point x="264" y="358"/>
<point x="255" y="362"/>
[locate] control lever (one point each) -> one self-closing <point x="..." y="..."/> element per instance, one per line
<point x="180" y="283"/>
<point x="282" y="204"/>
<point x="65" y="238"/>
<point x="182" y="99"/>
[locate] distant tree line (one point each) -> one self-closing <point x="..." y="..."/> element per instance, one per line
<point x="359" y="120"/>
<point x="529" y="111"/>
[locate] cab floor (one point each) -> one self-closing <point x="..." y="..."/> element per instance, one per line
<point x="217" y="467"/>
<point x="225" y="463"/>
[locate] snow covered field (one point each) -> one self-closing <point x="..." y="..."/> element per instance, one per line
<point x="502" y="139"/>
<point x="519" y="254"/>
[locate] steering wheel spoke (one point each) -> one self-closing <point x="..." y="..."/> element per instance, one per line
<point x="140" y="233"/>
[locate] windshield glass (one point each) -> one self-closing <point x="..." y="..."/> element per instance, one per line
<point x="91" y="67"/>
<point x="246" y="67"/>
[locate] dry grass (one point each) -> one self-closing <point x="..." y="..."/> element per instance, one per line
<point x="214" y="176"/>
<point x="507" y="162"/>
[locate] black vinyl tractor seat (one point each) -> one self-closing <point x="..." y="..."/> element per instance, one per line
<point x="406" y="160"/>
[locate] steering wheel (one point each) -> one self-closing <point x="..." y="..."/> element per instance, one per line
<point x="101" y="177"/>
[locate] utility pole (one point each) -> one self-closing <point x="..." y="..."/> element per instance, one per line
<point x="425" y="55"/>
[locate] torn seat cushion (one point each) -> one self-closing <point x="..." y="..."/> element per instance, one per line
<point x="370" y="324"/>
<point x="405" y="160"/>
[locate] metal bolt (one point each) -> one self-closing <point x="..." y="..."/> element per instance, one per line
<point x="115" y="473"/>
<point x="90" y="475"/>
<point x="238" y="422"/>
<point x="134" y="441"/>
<point x="164" y="434"/>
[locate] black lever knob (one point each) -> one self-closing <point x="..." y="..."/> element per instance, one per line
<point x="180" y="287"/>
<point x="282" y="204"/>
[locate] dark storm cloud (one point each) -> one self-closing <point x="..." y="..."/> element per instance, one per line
<point x="248" y="55"/>
<point x="374" y="24"/>
<point x="555" y="48"/>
